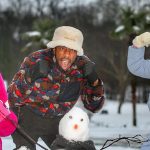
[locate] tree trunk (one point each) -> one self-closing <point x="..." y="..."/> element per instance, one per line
<point x="121" y="98"/>
<point x="133" y="87"/>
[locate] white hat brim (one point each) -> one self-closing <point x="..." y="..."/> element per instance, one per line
<point x="66" y="43"/>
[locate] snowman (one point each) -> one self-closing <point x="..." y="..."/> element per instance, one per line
<point x="23" y="148"/>
<point x="73" y="132"/>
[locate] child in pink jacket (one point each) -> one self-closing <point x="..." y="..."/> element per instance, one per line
<point x="8" y="120"/>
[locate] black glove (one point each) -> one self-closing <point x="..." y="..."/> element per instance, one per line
<point x="89" y="72"/>
<point x="39" y="70"/>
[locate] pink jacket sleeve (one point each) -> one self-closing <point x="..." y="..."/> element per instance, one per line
<point x="10" y="121"/>
<point x="3" y="93"/>
<point x="8" y="125"/>
<point x="0" y="144"/>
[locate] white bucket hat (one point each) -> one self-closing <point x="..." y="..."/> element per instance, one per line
<point x="69" y="37"/>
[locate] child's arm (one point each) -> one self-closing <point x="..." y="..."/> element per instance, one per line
<point x="3" y="93"/>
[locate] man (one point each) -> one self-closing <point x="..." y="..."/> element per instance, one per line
<point x="49" y="83"/>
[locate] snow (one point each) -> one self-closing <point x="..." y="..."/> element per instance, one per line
<point x="111" y="125"/>
<point x="33" y="33"/>
<point x="136" y="28"/>
<point x="148" y="18"/>
<point x="119" y="28"/>
<point x="44" y="41"/>
<point x="29" y="44"/>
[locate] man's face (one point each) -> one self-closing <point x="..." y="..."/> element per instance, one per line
<point x="65" y="56"/>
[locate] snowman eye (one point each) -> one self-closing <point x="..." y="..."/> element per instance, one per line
<point x="81" y="119"/>
<point x="70" y="117"/>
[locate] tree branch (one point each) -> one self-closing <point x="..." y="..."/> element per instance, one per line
<point x="136" y="139"/>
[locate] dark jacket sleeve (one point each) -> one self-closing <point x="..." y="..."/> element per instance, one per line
<point x="92" y="97"/>
<point x="21" y="86"/>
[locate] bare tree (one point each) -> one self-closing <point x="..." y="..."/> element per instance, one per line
<point x="20" y="8"/>
<point x="55" y="9"/>
<point x="41" y="7"/>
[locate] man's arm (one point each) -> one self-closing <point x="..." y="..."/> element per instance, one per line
<point x="93" y="91"/>
<point x="93" y="96"/>
<point x="23" y="82"/>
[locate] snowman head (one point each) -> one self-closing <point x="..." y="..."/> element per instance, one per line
<point x="75" y="125"/>
<point x="23" y="148"/>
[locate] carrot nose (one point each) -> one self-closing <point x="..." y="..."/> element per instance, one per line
<point x="75" y="126"/>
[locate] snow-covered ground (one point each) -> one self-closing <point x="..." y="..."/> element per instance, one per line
<point x="111" y="125"/>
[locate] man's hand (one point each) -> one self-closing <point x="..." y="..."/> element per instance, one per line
<point x="90" y="74"/>
<point x="142" y="40"/>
